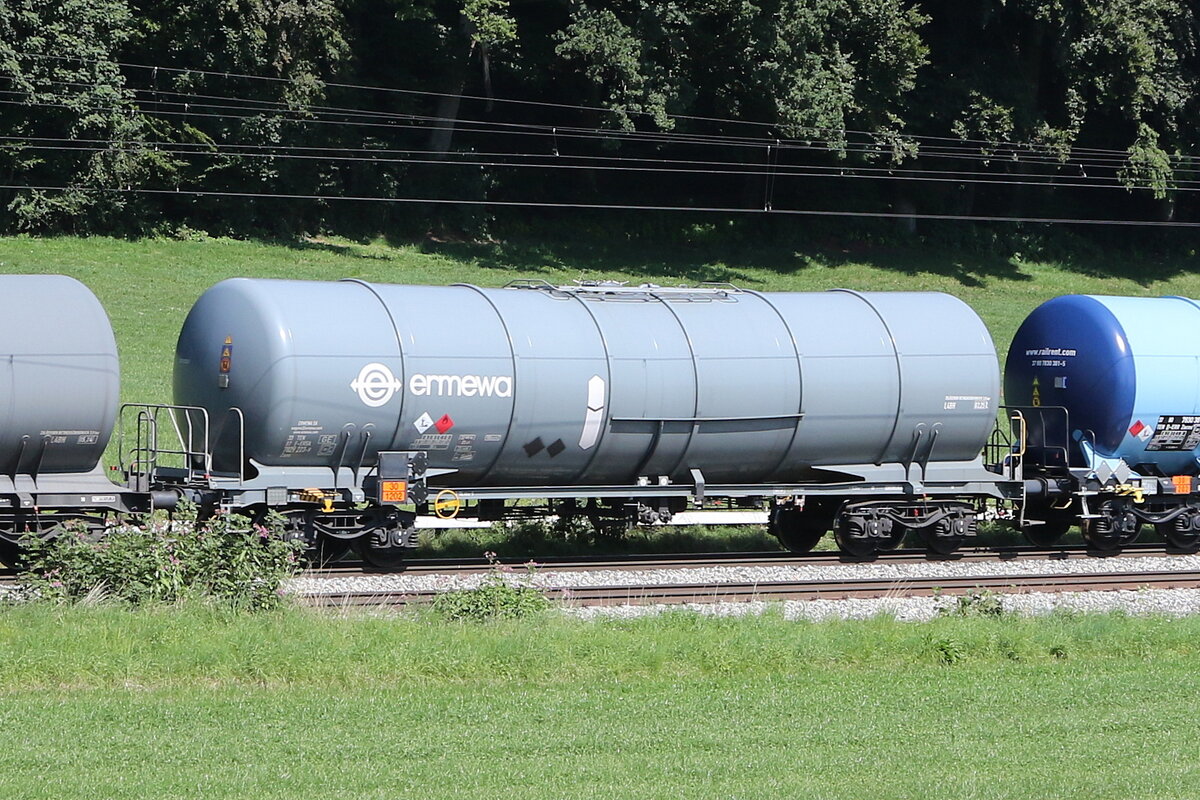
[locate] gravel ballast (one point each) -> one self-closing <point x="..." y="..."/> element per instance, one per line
<point x="549" y="579"/>
<point x="1175" y="602"/>
<point x="1168" y="602"/>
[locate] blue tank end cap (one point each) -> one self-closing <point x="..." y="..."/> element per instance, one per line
<point x="1072" y="351"/>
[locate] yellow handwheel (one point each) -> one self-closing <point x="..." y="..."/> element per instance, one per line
<point x="447" y="504"/>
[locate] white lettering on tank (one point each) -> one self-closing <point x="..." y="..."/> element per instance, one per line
<point x="460" y="385"/>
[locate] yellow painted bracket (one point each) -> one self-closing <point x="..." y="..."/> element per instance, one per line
<point x="1128" y="489"/>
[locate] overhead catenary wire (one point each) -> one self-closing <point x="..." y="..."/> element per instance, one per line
<point x="333" y="153"/>
<point x="814" y="131"/>
<point x="999" y="152"/>
<point x="616" y="206"/>
<point x="470" y="127"/>
<point x="636" y="165"/>
<point x="1095" y="172"/>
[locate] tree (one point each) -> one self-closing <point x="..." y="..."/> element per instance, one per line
<point x="70" y="119"/>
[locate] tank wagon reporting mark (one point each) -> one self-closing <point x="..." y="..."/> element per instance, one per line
<point x="868" y="414"/>
<point x="973" y="401"/>
<point x="1180" y="433"/>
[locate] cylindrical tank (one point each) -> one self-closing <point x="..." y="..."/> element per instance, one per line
<point x="591" y="385"/>
<point x="1126" y="369"/>
<point x="59" y="375"/>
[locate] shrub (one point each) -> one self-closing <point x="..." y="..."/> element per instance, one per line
<point x="497" y="597"/>
<point x="948" y="650"/>
<point x="226" y="558"/>
<point x="976" y="603"/>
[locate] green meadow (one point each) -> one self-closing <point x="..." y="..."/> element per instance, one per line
<point x="185" y="702"/>
<point x="195" y="702"/>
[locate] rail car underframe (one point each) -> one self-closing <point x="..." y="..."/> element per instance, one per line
<point x="86" y="490"/>
<point x="276" y="486"/>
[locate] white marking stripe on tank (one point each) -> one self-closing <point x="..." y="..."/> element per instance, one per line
<point x="595" y="413"/>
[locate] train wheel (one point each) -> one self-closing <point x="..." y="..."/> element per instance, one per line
<point x="1099" y="536"/>
<point x="389" y="559"/>
<point x="1114" y="527"/>
<point x="1181" y="532"/>
<point x="943" y="544"/>
<point x="798" y="530"/>
<point x="948" y="534"/>
<point x="382" y="549"/>
<point x="326" y="550"/>
<point x="10" y="554"/>
<point x="321" y="550"/>
<point x="852" y="533"/>
<point x="1048" y="533"/>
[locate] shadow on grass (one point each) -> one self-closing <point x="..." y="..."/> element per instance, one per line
<point x="1144" y="270"/>
<point x="696" y="260"/>
<point x="740" y="253"/>
<point x="319" y="245"/>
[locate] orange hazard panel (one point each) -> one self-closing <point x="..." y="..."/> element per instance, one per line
<point x="394" y="492"/>
<point x="1183" y="484"/>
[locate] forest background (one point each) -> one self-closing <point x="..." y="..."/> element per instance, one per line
<point x="478" y="117"/>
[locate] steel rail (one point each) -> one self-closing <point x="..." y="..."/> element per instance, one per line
<point x="743" y="559"/>
<point x="674" y="594"/>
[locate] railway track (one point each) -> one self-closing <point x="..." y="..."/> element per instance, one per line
<point x="801" y="590"/>
<point x="745" y="559"/>
<point x="700" y="592"/>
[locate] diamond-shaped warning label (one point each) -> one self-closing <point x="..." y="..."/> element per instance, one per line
<point x="444" y="424"/>
<point x="423" y="423"/>
<point x="1136" y="428"/>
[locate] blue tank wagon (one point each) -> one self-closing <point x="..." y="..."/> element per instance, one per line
<point x="1113" y="390"/>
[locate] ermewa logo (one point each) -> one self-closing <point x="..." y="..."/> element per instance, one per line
<point x="375" y="385"/>
<point x="461" y="385"/>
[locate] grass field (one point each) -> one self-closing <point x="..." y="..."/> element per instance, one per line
<point x="194" y="703"/>
<point x="148" y="286"/>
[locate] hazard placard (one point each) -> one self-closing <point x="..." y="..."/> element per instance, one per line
<point x="393" y="491"/>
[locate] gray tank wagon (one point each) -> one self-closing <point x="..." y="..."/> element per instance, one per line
<point x="866" y="412"/>
<point x="59" y="390"/>
<point x="353" y="408"/>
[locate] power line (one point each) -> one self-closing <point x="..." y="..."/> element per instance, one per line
<point x="727" y="121"/>
<point x="996" y="153"/>
<point x="618" y="207"/>
<point x="379" y="155"/>
<point x="636" y="165"/>
<point x="1032" y="147"/>
<point x="484" y="127"/>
